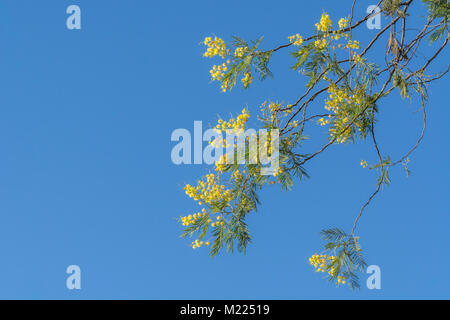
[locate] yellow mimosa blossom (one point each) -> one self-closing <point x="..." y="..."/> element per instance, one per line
<point x="240" y="51"/>
<point x="357" y="58"/>
<point x="364" y="163"/>
<point x="226" y="85"/>
<point x="217" y="72"/>
<point x="296" y="40"/>
<point x="341" y="280"/>
<point x="197" y="244"/>
<point x="343" y="22"/>
<point x="215" y="47"/>
<point x="191" y="219"/>
<point x="278" y="172"/>
<point x="353" y="44"/>
<point x="325" y="23"/>
<point x="323" y="122"/>
<point x="209" y="191"/>
<point x="237" y="125"/>
<point x="322" y="263"/>
<point x="321" y="44"/>
<point x="247" y="80"/>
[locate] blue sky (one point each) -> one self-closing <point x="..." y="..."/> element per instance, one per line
<point x="86" y="176"/>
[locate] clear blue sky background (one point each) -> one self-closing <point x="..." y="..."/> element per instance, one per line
<point x="86" y="176"/>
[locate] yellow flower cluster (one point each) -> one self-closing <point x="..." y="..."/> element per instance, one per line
<point x="340" y="97"/>
<point x="209" y="192"/>
<point x="341" y="279"/>
<point x="336" y="98"/>
<point x="217" y="72"/>
<point x="270" y="110"/>
<point x="343" y="22"/>
<point x="325" y="39"/>
<point x="325" y="26"/>
<point x="247" y="79"/>
<point x="237" y="125"/>
<point x="221" y="164"/>
<point x="277" y="115"/>
<point x="341" y="130"/>
<point x="357" y="58"/>
<point x="238" y="175"/>
<point x="226" y="85"/>
<point x="197" y="244"/>
<point x="278" y="172"/>
<point x="191" y="219"/>
<point x="324" y="122"/>
<point x="353" y="44"/>
<point x="364" y="163"/>
<point x="294" y="124"/>
<point x="240" y="51"/>
<point x="296" y="40"/>
<point x="215" y="47"/>
<point x="321" y="44"/>
<point x="325" y="23"/>
<point x="337" y="35"/>
<point x="274" y="111"/>
<point x="218" y="223"/>
<point x="321" y="263"/>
